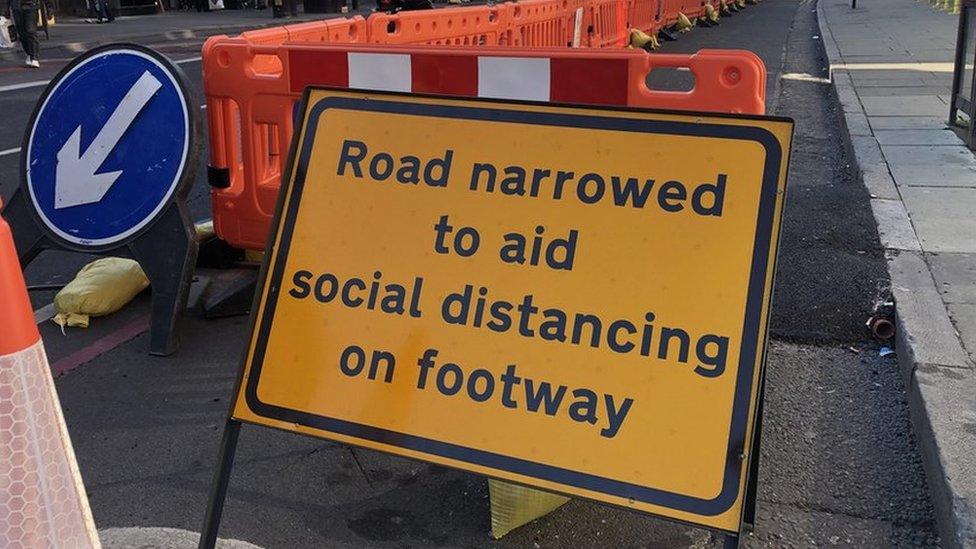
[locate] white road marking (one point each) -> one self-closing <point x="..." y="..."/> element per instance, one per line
<point x="803" y="77"/>
<point x="920" y="67"/>
<point x="37" y="83"/>
<point x="139" y="536"/>
<point x="23" y="85"/>
<point x="45" y="313"/>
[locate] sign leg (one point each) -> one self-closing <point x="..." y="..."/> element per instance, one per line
<point x="731" y="541"/>
<point x="218" y="491"/>
<point x="167" y="253"/>
<point x="749" y="513"/>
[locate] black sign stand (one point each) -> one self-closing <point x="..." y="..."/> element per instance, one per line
<point x="166" y="248"/>
<point x="218" y="489"/>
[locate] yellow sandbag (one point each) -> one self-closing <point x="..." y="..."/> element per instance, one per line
<point x="204" y="230"/>
<point x="253" y="256"/>
<point x="100" y="288"/>
<point x="640" y="39"/>
<point x="513" y="505"/>
<point x="711" y="13"/>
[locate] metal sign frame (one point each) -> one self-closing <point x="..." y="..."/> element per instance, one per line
<point x="230" y="436"/>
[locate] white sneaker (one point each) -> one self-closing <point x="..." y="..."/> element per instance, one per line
<point x="33" y="63"/>
<point x="27" y="61"/>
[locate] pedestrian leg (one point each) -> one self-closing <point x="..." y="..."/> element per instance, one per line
<point x="32" y="45"/>
<point x="25" y="19"/>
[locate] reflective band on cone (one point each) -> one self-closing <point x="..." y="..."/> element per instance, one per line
<point x="42" y="498"/>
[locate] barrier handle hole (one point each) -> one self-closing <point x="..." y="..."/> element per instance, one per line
<point x="671" y="79"/>
<point x="223" y="59"/>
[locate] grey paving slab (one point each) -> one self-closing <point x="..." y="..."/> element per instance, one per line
<point x="888" y="77"/>
<point x="921" y="105"/>
<point x="925" y="333"/>
<point x="898" y="91"/>
<point x="907" y="122"/>
<point x="963" y="317"/>
<point x="927" y="155"/>
<point x="943" y="217"/>
<point x="917" y="137"/>
<point x="928" y="56"/>
<point x="879" y="56"/>
<point x="947" y="175"/>
<point x="871" y="74"/>
<point x="869" y="49"/>
<point x="955" y="276"/>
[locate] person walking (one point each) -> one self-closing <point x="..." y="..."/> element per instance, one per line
<point x="24" y="14"/>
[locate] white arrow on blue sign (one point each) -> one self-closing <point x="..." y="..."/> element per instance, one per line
<point x="108" y="147"/>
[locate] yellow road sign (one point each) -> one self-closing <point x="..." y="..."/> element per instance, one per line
<point x="570" y="298"/>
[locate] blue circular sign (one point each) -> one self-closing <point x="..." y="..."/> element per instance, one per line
<point x="108" y="146"/>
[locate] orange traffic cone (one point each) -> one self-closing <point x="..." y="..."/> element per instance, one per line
<point x="42" y="498"/>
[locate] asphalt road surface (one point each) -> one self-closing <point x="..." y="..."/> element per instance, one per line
<point x="839" y="463"/>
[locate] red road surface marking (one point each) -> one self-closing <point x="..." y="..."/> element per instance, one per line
<point x="101" y="345"/>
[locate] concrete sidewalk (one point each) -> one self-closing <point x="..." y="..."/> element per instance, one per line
<point x="891" y="64"/>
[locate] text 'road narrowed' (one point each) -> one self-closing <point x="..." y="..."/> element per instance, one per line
<point x="627" y="191"/>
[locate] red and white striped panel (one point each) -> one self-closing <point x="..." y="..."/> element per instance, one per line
<point x="599" y="81"/>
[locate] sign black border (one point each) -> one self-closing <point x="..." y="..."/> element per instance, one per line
<point x="285" y="221"/>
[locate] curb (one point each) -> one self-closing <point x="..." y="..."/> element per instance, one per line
<point x="940" y="381"/>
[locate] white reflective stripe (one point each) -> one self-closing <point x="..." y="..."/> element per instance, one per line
<point x="10" y="151"/>
<point x="514" y="78"/>
<point x="380" y="71"/>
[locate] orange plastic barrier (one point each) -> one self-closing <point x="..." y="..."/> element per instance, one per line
<point x="532" y="23"/>
<point x="545" y="23"/>
<point x="606" y="23"/>
<point x="470" y="26"/>
<point x="671" y="8"/>
<point x="251" y="112"/>
<point x="644" y="15"/>
<point x="335" y="31"/>
<point x="697" y="8"/>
